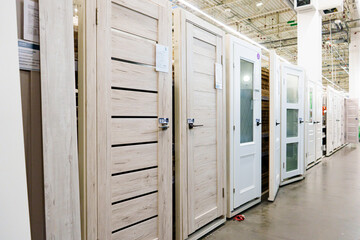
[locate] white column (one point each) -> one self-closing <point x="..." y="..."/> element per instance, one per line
<point x="354" y="64"/>
<point x="14" y="209"/>
<point x="310" y="44"/>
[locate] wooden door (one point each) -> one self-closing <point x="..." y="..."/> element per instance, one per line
<point x="352" y="120"/>
<point x="134" y="103"/>
<point x="292" y="107"/>
<point x="247" y="123"/>
<point x="200" y="140"/>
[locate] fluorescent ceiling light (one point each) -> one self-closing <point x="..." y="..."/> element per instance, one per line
<point x="259" y="4"/>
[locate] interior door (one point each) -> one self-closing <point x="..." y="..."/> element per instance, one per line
<point x="275" y="125"/>
<point x="292" y="107"/>
<point x="352" y="120"/>
<point x="329" y="121"/>
<point x="319" y="122"/>
<point x="247" y="121"/>
<point x="310" y="124"/>
<point x="205" y="127"/>
<point x="134" y="115"/>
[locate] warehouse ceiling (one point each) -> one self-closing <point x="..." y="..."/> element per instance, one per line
<point x="273" y="23"/>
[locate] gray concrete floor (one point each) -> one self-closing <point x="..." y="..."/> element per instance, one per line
<point x="326" y="205"/>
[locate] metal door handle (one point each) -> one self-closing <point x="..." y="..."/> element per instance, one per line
<point x="164" y="123"/>
<point x="277" y="123"/>
<point x="258" y="123"/>
<point x="191" y="125"/>
<point x="165" y="127"/>
<point x="301" y="121"/>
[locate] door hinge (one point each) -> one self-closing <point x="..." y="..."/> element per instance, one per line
<point x="223" y="192"/>
<point x="234" y="190"/>
<point x="306" y="155"/>
<point x="222" y="62"/>
<point x="283" y="165"/>
<point x="234" y="127"/>
<point x="97" y="16"/>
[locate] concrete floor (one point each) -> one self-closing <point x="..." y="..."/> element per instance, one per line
<point x="326" y="205"/>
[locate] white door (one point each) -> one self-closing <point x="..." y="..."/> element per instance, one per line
<point x="292" y="107"/>
<point x="275" y="125"/>
<point x="318" y="122"/>
<point x="310" y="124"/>
<point x="247" y="122"/>
<point x="352" y="120"/>
<point x="329" y="122"/>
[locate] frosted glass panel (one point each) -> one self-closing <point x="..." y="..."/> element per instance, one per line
<point x="291" y="157"/>
<point x="246" y="102"/>
<point x="292" y="83"/>
<point x="292" y="123"/>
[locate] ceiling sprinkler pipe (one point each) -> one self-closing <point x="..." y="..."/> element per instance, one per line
<point x="290" y="3"/>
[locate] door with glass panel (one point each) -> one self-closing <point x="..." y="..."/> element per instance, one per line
<point x="310" y="124"/>
<point x="292" y="149"/>
<point x="247" y="124"/>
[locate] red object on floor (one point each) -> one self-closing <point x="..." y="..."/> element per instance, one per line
<point x="239" y="218"/>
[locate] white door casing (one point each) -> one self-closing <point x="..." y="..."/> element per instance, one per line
<point x="292" y="130"/>
<point x="247" y="123"/>
<point x="275" y="125"/>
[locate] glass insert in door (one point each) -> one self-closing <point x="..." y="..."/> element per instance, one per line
<point x="292" y="156"/>
<point x="292" y="84"/>
<point x="292" y="122"/>
<point x="246" y="102"/>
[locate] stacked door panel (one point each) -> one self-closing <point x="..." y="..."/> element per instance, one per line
<point x="133" y="116"/>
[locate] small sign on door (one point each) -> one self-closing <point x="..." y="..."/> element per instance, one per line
<point x="218" y="76"/>
<point x="162" y="58"/>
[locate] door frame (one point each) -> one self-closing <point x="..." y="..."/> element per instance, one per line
<point x="301" y="127"/>
<point x="230" y="48"/>
<point x="181" y="18"/>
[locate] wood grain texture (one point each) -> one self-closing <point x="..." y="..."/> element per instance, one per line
<point x="133" y="76"/>
<point x="133" y="211"/>
<point x="133" y="130"/>
<point x="133" y="22"/>
<point x="148" y="7"/>
<point x="61" y="175"/>
<point x="144" y="230"/>
<point x="137" y="49"/>
<point x="133" y="184"/>
<point x="128" y="158"/>
<point x="132" y="103"/>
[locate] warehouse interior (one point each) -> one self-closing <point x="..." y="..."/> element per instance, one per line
<point x="180" y="119"/>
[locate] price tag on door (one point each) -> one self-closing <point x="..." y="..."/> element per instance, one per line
<point x="218" y="76"/>
<point x="162" y="58"/>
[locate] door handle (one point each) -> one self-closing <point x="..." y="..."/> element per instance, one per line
<point x="191" y="122"/>
<point x="301" y="121"/>
<point x="277" y="123"/>
<point x="164" y="123"/>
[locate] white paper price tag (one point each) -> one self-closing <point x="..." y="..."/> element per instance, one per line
<point x="162" y="58"/>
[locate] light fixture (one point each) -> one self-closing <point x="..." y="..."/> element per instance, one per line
<point x="259" y="4"/>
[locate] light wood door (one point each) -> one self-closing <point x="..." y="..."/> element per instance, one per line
<point x="292" y="107"/>
<point x="247" y="123"/>
<point x="352" y="120"/>
<point x="275" y="125"/>
<point x="205" y="200"/>
<point x="310" y="123"/>
<point x="319" y="122"/>
<point x="134" y="109"/>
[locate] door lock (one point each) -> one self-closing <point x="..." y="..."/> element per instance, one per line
<point x="191" y="122"/>
<point x="164" y="123"/>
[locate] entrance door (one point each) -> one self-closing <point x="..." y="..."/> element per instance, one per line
<point x="247" y="122"/>
<point x="134" y="120"/>
<point x="275" y="125"/>
<point x="319" y="122"/>
<point x="352" y="120"/>
<point x="292" y="107"/>
<point x="310" y="124"/>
